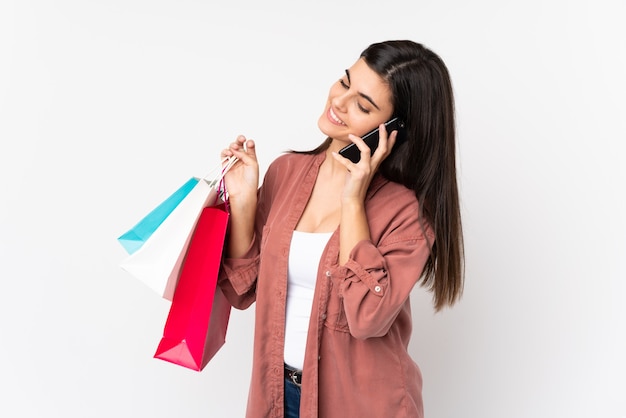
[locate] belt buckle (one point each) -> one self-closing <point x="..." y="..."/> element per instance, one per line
<point x="293" y="374"/>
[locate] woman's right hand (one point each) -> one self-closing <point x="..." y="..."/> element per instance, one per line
<point x="242" y="180"/>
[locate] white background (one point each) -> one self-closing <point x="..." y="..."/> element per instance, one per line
<point x="108" y="106"/>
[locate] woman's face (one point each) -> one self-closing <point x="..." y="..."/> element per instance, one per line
<point x="357" y="103"/>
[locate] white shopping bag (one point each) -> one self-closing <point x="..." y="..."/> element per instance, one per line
<point x="158" y="262"/>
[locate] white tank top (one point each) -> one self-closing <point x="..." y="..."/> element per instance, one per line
<point x="304" y="259"/>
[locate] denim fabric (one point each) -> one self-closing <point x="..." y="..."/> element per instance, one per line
<point x="292" y="400"/>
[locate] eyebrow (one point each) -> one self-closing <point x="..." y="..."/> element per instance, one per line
<point x="363" y="95"/>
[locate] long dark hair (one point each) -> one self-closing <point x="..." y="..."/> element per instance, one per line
<point x="425" y="162"/>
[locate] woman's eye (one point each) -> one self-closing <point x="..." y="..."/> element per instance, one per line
<point x="345" y="85"/>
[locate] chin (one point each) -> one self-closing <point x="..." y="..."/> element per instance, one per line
<point x="323" y="124"/>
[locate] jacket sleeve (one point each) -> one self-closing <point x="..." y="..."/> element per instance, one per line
<point x="377" y="280"/>
<point x="237" y="278"/>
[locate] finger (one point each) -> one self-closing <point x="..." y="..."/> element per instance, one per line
<point x="386" y="141"/>
<point x="250" y="148"/>
<point x="362" y="146"/>
<point x="233" y="146"/>
<point x="342" y="160"/>
<point x="238" y="143"/>
<point x="385" y="145"/>
<point x="391" y="141"/>
<point x="225" y="153"/>
<point x="245" y="151"/>
<point x="241" y="140"/>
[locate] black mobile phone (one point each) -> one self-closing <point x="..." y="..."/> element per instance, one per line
<point x="353" y="153"/>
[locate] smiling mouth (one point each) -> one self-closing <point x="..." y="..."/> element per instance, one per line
<point x="334" y="118"/>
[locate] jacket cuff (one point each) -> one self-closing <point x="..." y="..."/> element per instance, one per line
<point x="242" y="272"/>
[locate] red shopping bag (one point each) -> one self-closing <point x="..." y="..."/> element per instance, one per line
<point x="198" y="318"/>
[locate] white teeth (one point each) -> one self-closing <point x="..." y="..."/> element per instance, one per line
<point x="335" y="118"/>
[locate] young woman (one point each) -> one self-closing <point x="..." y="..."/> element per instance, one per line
<point x="330" y="249"/>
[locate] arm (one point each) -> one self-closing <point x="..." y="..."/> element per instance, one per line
<point x="354" y="225"/>
<point x="377" y="279"/>
<point x="242" y="182"/>
<point x="238" y="272"/>
<point x="240" y="266"/>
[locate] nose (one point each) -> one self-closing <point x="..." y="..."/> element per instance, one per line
<point x="339" y="101"/>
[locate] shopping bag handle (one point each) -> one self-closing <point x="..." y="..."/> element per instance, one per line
<point x="230" y="161"/>
<point x="217" y="182"/>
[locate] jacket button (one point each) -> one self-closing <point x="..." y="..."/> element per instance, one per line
<point x="327" y="273"/>
<point x="377" y="289"/>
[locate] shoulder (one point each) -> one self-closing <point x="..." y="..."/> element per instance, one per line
<point x="394" y="209"/>
<point x="291" y="159"/>
<point x="290" y="164"/>
<point x="385" y="191"/>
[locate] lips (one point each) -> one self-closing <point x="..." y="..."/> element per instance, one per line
<point x="333" y="118"/>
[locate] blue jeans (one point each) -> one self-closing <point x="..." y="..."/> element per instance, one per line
<point x="292" y="400"/>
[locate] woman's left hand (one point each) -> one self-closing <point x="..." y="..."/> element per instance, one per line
<point x="360" y="174"/>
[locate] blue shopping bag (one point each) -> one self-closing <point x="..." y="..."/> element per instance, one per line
<point x="134" y="238"/>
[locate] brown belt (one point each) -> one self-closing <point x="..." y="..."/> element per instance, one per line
<point x="294" y="375"/>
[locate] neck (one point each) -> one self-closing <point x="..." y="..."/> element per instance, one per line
<point x="332" y="168"/>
